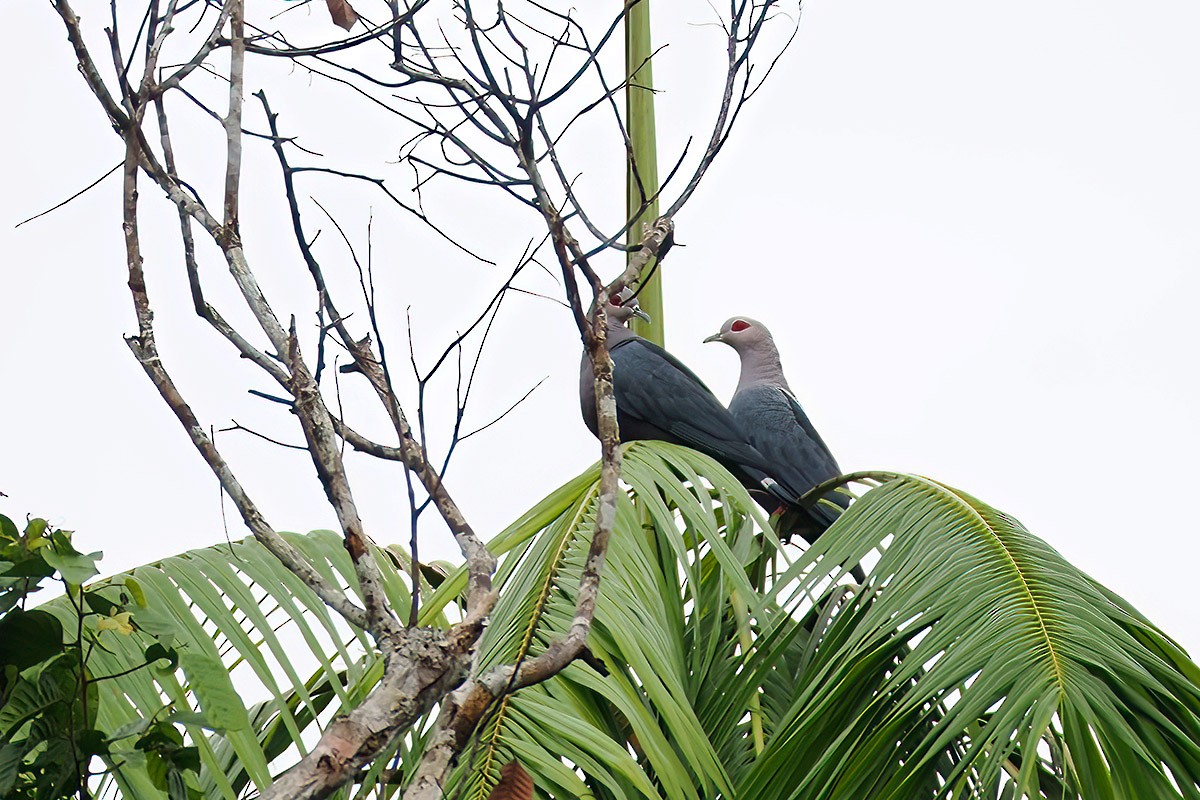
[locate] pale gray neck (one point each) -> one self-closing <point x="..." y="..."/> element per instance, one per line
<point x="760" y="365"/>
<point x="617" y="332"/>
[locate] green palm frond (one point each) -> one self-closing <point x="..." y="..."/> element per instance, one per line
<point x="977" y="662"/>
<point x="662" y="620"/>
<point x="261" y="657"/>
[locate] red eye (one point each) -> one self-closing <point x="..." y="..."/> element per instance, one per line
<point x="615" y="300"/>
<point x="739" y="325"/>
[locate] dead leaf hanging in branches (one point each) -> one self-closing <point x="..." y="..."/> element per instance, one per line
<point x="343" y="15"/>
<point x="515" y="783"/>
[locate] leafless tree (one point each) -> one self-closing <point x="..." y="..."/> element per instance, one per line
<point x="489" y="92"/>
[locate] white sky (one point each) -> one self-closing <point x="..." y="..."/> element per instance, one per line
<point x="972" y="227"/>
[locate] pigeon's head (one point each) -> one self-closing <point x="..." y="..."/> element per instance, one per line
<point x="622" y="306"/>
<point x="743" y="334"/>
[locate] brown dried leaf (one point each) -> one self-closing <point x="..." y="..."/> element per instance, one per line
<point x="343" y="15"/>
<point x="515" y="783"/>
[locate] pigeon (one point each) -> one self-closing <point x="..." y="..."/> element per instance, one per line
<point x="660" y="399"/>
<point x="774" y="423"/>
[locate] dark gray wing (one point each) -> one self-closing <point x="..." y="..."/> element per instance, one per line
<point x="821" y="458"/>
<point x="777" y="426"/>
<point x="655" y="390"/>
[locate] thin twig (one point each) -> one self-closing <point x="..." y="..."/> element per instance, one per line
<point x="82" y="191"/>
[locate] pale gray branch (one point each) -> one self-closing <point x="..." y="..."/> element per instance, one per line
<point x="463" y="709"/>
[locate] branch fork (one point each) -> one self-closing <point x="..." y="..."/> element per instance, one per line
<point x="479" y="110"/>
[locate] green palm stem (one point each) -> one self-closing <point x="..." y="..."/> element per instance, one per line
<point x="641" y="182"/>
<point x="642" y="177"/>
<point x="746" y="640"/>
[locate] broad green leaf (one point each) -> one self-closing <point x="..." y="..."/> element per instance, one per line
<point x="11" y="755"/>
<point x="218" y="700"/>
<point x="76" y="568"/>
<point x="27" y="637"/>
<point x="40" y="688"/>
<point x="135" y="591"/>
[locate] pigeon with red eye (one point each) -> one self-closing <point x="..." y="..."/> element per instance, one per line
<point x="774" y="423"/>
<point x="660" y="399"/>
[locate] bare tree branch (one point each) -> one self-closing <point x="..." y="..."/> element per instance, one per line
<point x="488" y="95"/>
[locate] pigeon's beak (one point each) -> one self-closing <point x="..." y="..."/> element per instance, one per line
<point x="637" y="312"/>
<point x="716" y="337"/>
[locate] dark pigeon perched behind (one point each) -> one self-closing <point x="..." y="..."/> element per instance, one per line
<point x="658" y="398"/>
<point x="777" y="426"/>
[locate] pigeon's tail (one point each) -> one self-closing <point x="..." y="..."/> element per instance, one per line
<point x="768" y="492"/>
<point x="792" y="518"/>
<point x="803" y="521"/>
<point x="780" y="492"/>
<point x="809" y="522"/>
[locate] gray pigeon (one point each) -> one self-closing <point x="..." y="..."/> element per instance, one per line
<point x="777" y="426"/>
<point x="658" y="398"/>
